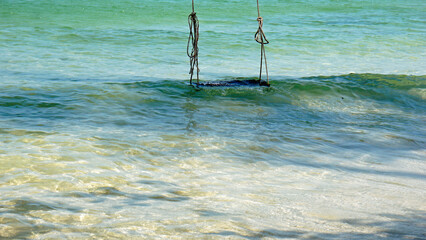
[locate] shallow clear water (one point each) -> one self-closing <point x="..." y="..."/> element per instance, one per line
<point x="101" y="136"/>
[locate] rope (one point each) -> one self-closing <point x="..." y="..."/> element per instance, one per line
<point x="194" y="35"/>
<point x="260" y="37"/>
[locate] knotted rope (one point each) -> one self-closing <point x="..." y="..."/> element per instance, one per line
<point x="194" y="35"/>
<point x="260" y="37"/>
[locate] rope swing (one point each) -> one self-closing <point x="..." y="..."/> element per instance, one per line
<point x="260" y="37"/>
<point x="194" y="35"/>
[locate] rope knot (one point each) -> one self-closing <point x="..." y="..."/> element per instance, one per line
<point x="259" y="36"/>
<point x="260" y="20"/>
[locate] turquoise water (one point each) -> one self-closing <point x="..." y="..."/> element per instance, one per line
<point x="101" y="136"/>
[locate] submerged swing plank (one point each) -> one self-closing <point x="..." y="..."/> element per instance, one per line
<point x="234" y="83"/>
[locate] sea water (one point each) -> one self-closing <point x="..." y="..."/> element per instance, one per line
<point x="102" y="138"/>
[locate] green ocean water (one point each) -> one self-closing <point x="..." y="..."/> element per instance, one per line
<point x="102" y="138"/>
